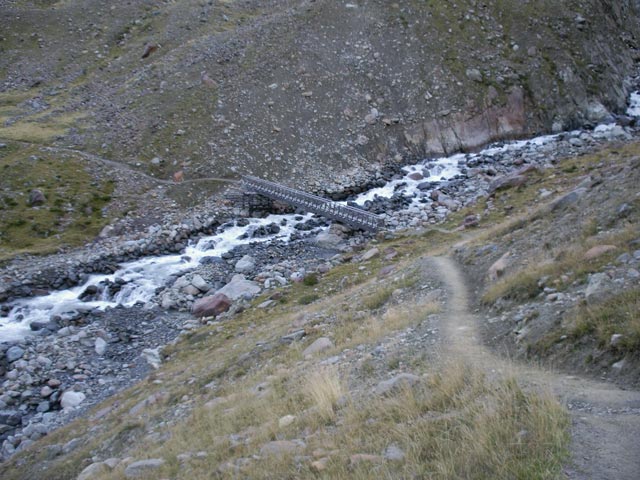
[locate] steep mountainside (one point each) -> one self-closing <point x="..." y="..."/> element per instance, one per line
<point x="311" y="92"/>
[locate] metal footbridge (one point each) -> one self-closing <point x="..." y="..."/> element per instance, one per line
<point x="351" y="216"/>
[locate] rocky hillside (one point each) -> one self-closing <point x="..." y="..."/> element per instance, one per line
<point x="311" y="92"/>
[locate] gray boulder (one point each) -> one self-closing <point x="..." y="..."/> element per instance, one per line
<point x="240" y="287"/>
<point x="199" y="282"/>
<point x="323" y="343"/>
<point x="36" y="197"/>
<point x="246" y="264"/>
<point x="396" y="383"/>
<point x="14" y="353"/>
<point x="71" y="399"/>
<point x="329" y="240"/>
<point x="143" y="467"/>
<point x="94" y="470"/>
<point x="599" y="287"/>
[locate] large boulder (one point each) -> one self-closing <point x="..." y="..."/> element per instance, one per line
<point x="240" y="287"/>
<point x="211" y="306"/>
<point x="329" y="240"/>
<point x="14" y="353"/>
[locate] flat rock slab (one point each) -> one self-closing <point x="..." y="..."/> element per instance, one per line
<point x="143" y="467"/>
<point x="396" y="383"/>
<point x="283" y="447"/>
<point x="323" y="343"/>
<point x="598" y="250"/>
<point x="240" y="287"/>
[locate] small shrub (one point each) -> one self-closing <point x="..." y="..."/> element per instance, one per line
<point x="324" y="390"/>
<point x="310" y="280"/>
<point x="618" y="314"/>
<point x="307" y="299"/>
<point x="378" y="298"/>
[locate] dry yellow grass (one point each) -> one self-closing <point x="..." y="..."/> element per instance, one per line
<point x="324" y="389"/>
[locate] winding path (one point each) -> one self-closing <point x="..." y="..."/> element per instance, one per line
<point x="605" y="442"/>
<point x="121" y="167"/>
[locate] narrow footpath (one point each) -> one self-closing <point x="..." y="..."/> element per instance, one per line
<point x="605" y="435"/>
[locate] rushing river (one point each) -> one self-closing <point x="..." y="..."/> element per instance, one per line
<point x="141" y="278"/>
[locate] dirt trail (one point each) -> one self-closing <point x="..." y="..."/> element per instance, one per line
<point x="123" y="168"/>
<point x="605" y="420"/>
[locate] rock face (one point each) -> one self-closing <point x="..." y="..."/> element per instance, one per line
<point x="211" y="306"/>
<point x="459" y="132"/>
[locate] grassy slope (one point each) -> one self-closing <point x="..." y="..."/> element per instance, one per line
<point x="205" y="398"/>
<point x="72" y="212"/>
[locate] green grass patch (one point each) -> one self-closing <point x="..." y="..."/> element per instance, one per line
<point x="308" y="299"/>
<point x="71" y="214"/>
<point x="566" y="266"/>
<point x="616" y="315"/>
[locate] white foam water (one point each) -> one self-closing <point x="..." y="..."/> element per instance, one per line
<point x="140" y="278"/>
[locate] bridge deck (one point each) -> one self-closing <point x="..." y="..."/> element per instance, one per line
<point x="354" y="217"/>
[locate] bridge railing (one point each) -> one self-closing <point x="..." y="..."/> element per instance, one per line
<point x="313" y="203"/>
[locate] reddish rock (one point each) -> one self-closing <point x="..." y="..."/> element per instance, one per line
<point x="149" y="48"/>
<point x="470" y="221"/>
<point x="416" y="176"/>
<point x="211" y="306"/>
<point x="178" y="176"/>
<point x="458" y="131"/>
<point x="598" y="251"/>
<point x="497" y="269"/>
